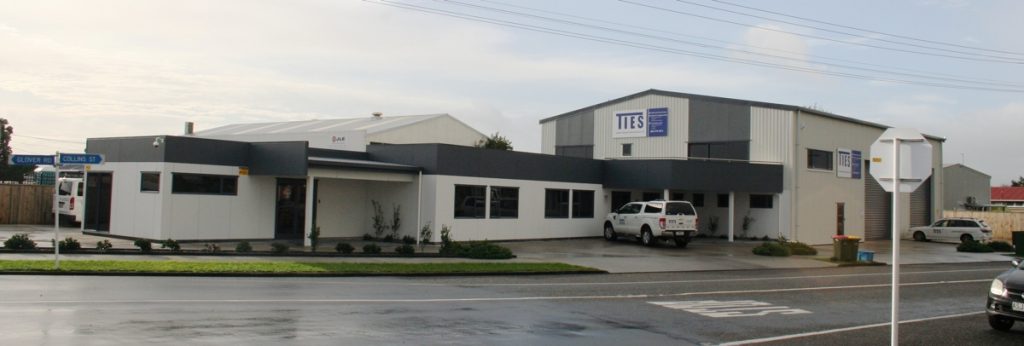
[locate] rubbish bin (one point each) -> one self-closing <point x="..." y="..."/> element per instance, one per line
<point x="844" y="248"/>
<point x="1018" y="242"/>
<point x="865" y="256"/>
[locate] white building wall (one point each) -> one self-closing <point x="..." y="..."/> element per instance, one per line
<point x="343" y="208"/>
<point x="247" y="215"/>
<point x="531" y="223"/>
<point x="674" y="145"/>
<point x="390" y="195"/>
<point x="134" y="213"/>
<point x="771" y="140"/>
<point x="547" y="138"/>
<point x="443" y="129"/>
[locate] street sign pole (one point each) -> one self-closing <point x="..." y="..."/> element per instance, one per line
<point x="56" y="211"/>
<point x="895" y="337"/>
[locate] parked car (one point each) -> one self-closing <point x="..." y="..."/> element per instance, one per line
<point x="71" y="199"/>
<point x="953" y="230"/>
<point x="1005" y="303"/>
<point x="653" y="221"/>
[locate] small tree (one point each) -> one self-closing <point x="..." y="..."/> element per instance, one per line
<point x="396" y="219"/>
<point x="747" y="221"/>
<point x="713" y="224"/>
<point x="425" y="234"/>
<point x="378" y="219"/>
<point x="8" y="172"/>
<point x="495" y="141"/>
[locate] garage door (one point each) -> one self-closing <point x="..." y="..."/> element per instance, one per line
<point x="921" y="205"/>
<point x="877" y="209"/>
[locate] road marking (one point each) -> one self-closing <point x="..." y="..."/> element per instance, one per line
<point x="482" y="299"/>
<point x="735" y="308"/>
<point x="840" y="330"/>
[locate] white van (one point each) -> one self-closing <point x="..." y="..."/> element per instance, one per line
<point x="71" y="199"/>
<point x="654" y="220"/>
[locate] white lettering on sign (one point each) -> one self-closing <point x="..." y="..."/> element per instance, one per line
<point x="844" y="163"/>
<point x="736" y="308"/>
<point x="629" y="124"/>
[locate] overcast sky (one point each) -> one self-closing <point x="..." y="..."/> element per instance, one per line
<point x="76" y="69"/>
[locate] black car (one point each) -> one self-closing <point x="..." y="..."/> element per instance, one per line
<point x="1005" y="300"/>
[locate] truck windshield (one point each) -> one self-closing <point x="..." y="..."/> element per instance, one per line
<point x="679" y="209"/>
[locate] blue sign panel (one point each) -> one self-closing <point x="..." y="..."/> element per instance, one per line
<point x="81" y="159"/>
<point x="657" y="122"/>
<point x="32" y="160"/>
<point x="856" y="164"/>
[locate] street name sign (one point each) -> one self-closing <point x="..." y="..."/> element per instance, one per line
<point x="31" y="160"/>
<point x="80" y="159"/>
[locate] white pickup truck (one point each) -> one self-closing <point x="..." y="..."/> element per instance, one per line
<point x="654" y="220"/>
<point x="71" y="199"/>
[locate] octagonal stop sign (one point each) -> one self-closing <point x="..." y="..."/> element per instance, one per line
<point x="915" y="159"/>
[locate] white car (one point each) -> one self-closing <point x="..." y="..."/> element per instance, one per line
<point x="654" y="220"/>
<point x="953" y="230"/>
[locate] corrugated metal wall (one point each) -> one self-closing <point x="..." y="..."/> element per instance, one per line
<point x="770" y="132"/>
<point x="547" y="139"/>
<point x="671" y="146"/>
<point x="921" y="205"/>
<point x="877" y="209"/>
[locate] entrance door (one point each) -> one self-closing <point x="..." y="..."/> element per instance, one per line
<point x="840" y="218"/>
<point x="97" y="201"/>
<point x="619" y="199"/>
<point x="290" y="218"/>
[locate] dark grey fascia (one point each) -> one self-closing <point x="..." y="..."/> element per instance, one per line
<point x="262" y="158"/>
<point x="693" y="175"/>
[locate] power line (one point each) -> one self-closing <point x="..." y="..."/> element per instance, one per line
<point x="865" y="30"/>
<point x="823" y="37"/>
<point x="702" y="45"/>
<point x="676" y="51"/>
<point x="49" y="139"/>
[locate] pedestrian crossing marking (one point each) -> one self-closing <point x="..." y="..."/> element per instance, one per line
<point x="735" y="308"/>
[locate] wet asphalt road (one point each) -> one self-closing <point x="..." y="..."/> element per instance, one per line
<point x="648" y="309"/>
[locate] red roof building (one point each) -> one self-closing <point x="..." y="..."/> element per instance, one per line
<point x="1009" y="196"/>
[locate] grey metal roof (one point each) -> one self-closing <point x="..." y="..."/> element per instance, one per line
<point x="370" y="124"/>
<point x="729" y="100"/>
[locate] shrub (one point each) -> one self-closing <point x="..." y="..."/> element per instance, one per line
<point x="345" y="248"/>
<point x="171" y="244"/>
<point x="278" y="248"/>
<point x="69" y="244"/>
<point x="800" y="249"/>
<point x="1001" y="246"/>
<point x="405" y="249"/>
<point x="104" y="245"/>
<point x="379" y="225"/>
<point x="314" y="238"/>
<point x="367" y="237"/>
<point x="396" y="219"/>
<point x="973" y="246"/>
<point x="371" y="248"/>
<point x="243" y="246"/>
<point x="389" y="238"/>
<point x="144" y="245"/>
<point x="486" y="250"/>
<point x="772" y="249"/>
<point x="765" y="238"/>
<point x="447" y="245"/>
<point x="19" y="241"/>
<point x="211" y="247"/>
<point x="408" y="240"/>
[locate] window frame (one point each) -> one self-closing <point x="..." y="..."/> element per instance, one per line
<point x="577" y="204"/>
<point x="810" y="162"/>
<point x="497" y="210"/>
<point x="547" y="204"/>
<point x="763" y="201"/>
<point x="224" y="187"/>
<point x="627" y="149"/>
<point x="142" y="182"/>
<point x="458" y="204"/>
<point x="697" y="202"/>
<point x="720" y="200"/>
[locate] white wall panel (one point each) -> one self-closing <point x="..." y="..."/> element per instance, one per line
<point x="770" y="130"/>
<point x="444" y="129"/>
<point x="547" y="138"/>
<point x="671" y="146"/>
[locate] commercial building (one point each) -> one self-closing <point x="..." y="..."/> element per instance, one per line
<point x="966" y="188"/>
<point x="781" y="170"/>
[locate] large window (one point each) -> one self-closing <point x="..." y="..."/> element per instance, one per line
<point x="698" y="200"/>
<point x="470" y="201"/>
<point x="723" y="200"/>
<point x="819" y="159"/>
<point x="761" y="201"/>
<point x="504" y="202"/>
<point x="582" y="204"/>
<point x="150" y="182"/>
<point x="556" y="203"/>
<point x="206" y="184"/>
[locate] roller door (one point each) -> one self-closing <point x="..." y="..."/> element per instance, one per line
<point x="921" y="205"/>
<point x="877" y="210"/>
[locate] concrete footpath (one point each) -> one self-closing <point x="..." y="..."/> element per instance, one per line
<point x="622" y="256"/>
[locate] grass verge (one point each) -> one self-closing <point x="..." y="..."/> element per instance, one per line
<point x="286" y="268"/>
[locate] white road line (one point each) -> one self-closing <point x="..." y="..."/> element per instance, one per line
<point x="481" y="299"/>
<point x="840" y="330"/>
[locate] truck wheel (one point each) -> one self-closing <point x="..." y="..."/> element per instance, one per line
<point x="919" y="236"/>
<point x="682" y="241"/>
<point x="966" y="238"/>
<point x="646" y="237"/>
<point x="1000" y="322"/>
<point x="609" y="233"/>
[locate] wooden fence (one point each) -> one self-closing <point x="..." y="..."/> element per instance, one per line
<point x="26" y="204"/>
<point x="1002" y="223"/>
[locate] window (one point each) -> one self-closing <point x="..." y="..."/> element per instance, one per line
<point x="819" y="159"/>
<point x="653" y="208"/>
<point x="627" y="149"/>
<point x="723" y="200"/>
<point x="631" y="208"/>
<point x="150" y="182"/>
<point x="679" y="209"/>
<point x="470" y="201"/>
<point x="650" y="196"/>
<point x="698" y="200"/>
<point x="556" y="203"/>
<point x="504" y="202"/>
<point x="582" y="204"/>
<point x="205" y="184"/>
<point x="761" y="201"/>
<point x="678" y="196"/>
<point x="65" y="188"/>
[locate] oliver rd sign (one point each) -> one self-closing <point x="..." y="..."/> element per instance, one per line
<point x="915" y="159"/>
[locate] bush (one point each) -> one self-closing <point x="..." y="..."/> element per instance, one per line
<point x="371" y="248"/>
<point x="772" y="249"/>
<point x="405" y="249"/>
<point x="973" y="246"/>
<point x="800" y="249"/>
<point x="367" y="237"/>
<point x="104" y="245"/>
<point x="1001" y="246"/>
<point x="425" y="234"/>
<point x="144" y="245"/>
<point x="69" y="244"/>
<point x="243" y="246"/>
<point x="344" y="248"/>
<point x="408" y="240"/>
<point x="278" y="248"/>
<point x="211" y="247"/>
<point x="486" y="250"/>
<point x="171" y="244"/>
<point x="389" y="238"/>
<point x="19" y="241"/>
